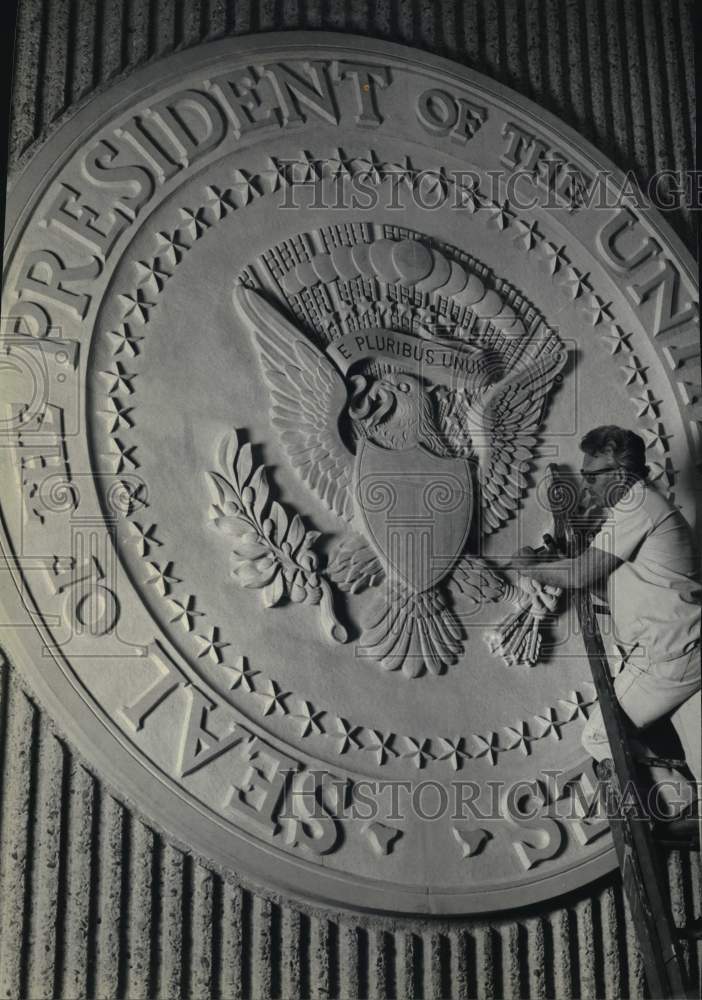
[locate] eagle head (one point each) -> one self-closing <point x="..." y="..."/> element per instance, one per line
<point x="394" y="411"/>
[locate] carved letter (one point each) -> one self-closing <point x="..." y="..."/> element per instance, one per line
<point x="150" y="146"/>
<point x="71" y="216"/>
<point x="200" y="745"/>
<point x="195" y="122"/>
<point x="613" y="255"/>
<point x="44" y="275"/>
<point x="365" y="79"/>
<point x="170" y="678"/>
<point x="543" y="835"/>
<point x="100" y="169"/>
<point x="241" y="100"/>
<point x="665" y="281"/>
<point x="293" y="90"/>
<point x="259" y="798"/>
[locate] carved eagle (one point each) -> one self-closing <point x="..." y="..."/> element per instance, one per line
<point x="330" y="425"/>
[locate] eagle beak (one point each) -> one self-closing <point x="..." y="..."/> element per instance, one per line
<point x="384" y="399"/>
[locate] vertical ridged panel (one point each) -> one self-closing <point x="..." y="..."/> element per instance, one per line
<point x="621" y="71"/>
<point x="16" y="854"/>
<point x="41" y="959"/>
<point x="95" y="904"/>
<point x="76" y="934"/>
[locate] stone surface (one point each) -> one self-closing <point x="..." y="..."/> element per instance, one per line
<point x="433" y="958"/>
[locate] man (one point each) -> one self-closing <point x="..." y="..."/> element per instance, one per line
<point x="644" y="552"/>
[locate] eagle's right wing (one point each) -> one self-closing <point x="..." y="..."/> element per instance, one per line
<point x="307" y="395"/>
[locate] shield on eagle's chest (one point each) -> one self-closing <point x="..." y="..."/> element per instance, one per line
<point x="416" y="509"/>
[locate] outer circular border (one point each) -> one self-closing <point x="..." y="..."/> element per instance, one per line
<point x="61" y="698"/>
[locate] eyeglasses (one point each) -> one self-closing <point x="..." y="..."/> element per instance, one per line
<point x="590" y="477"/>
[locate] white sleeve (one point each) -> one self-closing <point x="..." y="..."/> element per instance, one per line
<point x="624" y="530"/>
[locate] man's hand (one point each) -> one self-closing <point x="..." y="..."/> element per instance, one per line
<point x="541" y="599"/>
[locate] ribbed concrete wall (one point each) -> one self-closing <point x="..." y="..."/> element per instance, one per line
<point x="93" y="902"/>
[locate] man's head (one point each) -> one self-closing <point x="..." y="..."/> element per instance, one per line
<point x="613" y="459"/>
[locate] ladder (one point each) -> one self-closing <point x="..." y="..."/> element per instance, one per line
<point x="638" y="840"/>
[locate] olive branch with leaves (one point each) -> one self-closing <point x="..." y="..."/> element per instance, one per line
<point x="272" y="550"/>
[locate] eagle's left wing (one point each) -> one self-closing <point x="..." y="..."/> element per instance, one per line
<point x="504" y="427"/>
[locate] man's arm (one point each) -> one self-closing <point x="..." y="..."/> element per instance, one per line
<point x="590" y="568"/>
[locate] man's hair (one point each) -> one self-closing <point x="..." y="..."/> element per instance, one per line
<point x="628" y="449"/>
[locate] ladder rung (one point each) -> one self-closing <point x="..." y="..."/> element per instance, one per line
<point x="682" y="834"/>
<point x="670" y="762"/>
<point x="691" y="931"/>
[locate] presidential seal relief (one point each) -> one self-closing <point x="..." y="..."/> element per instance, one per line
<point x="286" y="367"/>
<point x="411" y="511"/>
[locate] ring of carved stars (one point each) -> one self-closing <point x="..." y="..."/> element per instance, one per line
<point x="127" y="340"/>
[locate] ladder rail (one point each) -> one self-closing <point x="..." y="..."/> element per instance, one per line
<point x="642" y="876"/>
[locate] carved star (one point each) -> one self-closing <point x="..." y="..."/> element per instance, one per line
<point x="340" y="164"/>
<point x="435" y="182"/>
<point x="142" y="537"/>
<point x="468" y="195"/>
<point x="634" y="371"/>
<point x="196" y="222"/>
<point x="120" y="456"/>
<point x="577" y="282"/>
<point x="344" y="310"/>
<point x="656" y="470"/>
<point x="211" y="644"/>
<point x="220" y="201"/>
<point x="656" y="438"/>
<point x="549" y="724"/>
<point x="382" y="836"/>
<point x="471" y="841"/>
<point x="185" y="613"/>
<point x="417" y="751"/>
<point x="245" y="186"/>
<point x="404" y="310"/>
<point x="125" y="341"/>
<point x="162" y="577"/>
<point x="128" y="497"/>
<point x="137" y="305"/>
<point x="576" y="706"/>
<point x="380" y="745"/>
<point x="529" y="234"/>
<point x="370" y="167"/>
<point x="310" y="166"/>
<point x="646" y="404"/>
<point x="454" y="750"/>
<point x="173" y="245"/>
<point x="599" y="310"/>
<point x="617" y="339"/>
<point x="519" y="737"/>
<point x="399" y="173"/>
<point x="274" y="699"/>
<point x="116" y="414"/>
<point x="555" y="256"/>
<point x="275" y="175"/>
<point x="427" y="315"/>
<point x="346" y="735"/>
<point x="241" y="675"/>
<point x="309" y="719"/>
<point x="488" y="746"/>
<point x="501" y="214"/>
<point x="154" y="272"/>
<point x="119" y="379"/>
